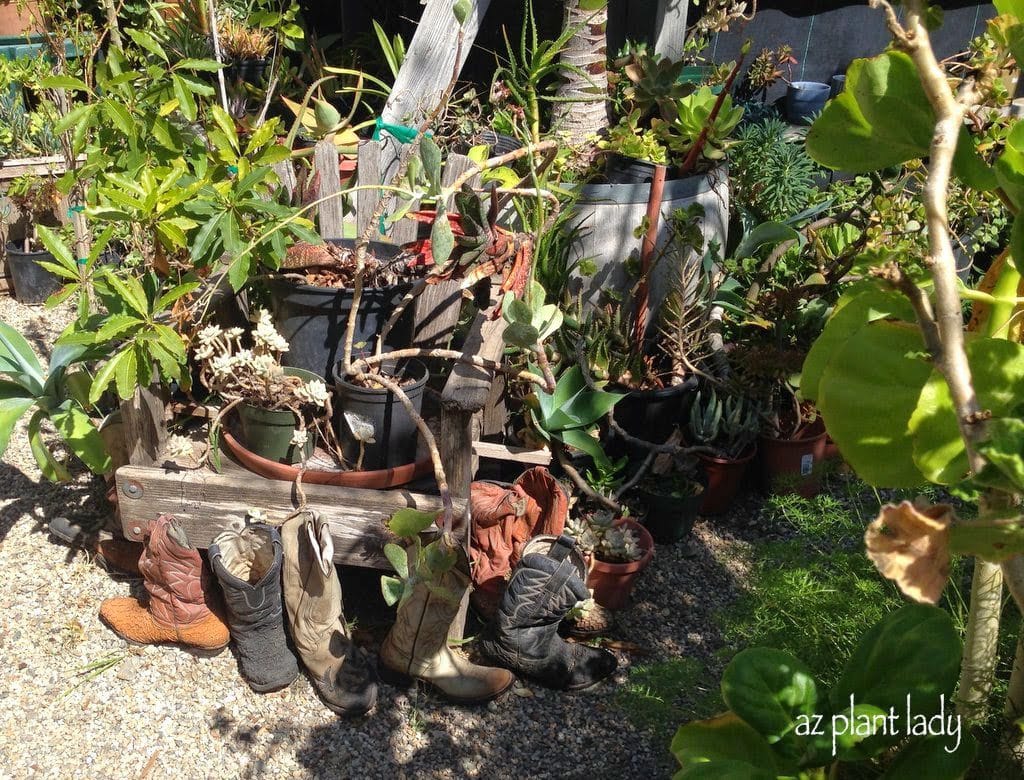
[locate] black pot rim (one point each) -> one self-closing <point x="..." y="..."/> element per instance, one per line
<point x="661" y="393"/>
<point x="410" y="363"/>
<point x="12" y="249"/>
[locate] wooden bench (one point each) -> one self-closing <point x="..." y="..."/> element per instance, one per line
<point x="206" y="502"/>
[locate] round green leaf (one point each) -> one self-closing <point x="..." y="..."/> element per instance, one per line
<point x="914" y="651"/>
<point x="770" y="689"/>
<point x="862" y="304"/>
<point x="997" y="370"/>
<point x="724" y="738"/>
<point x="867" y="393"/>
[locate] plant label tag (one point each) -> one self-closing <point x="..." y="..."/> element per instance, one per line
<point x="806" y="465"/>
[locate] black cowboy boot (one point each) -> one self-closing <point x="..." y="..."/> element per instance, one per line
<point x="546" y="583"/>
<point x="248" y="566"/>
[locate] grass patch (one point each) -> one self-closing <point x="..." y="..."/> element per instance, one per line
<point x="661" y="696"/>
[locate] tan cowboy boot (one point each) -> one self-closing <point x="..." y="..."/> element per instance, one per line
<point x="316" y="619"/>
<point x="417" y="645"/>
<point x="180" y="594"/>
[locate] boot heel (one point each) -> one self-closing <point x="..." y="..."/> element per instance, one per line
<point x="394" y="678"/>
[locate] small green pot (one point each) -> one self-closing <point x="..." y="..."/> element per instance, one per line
<point x="269" y="433"/>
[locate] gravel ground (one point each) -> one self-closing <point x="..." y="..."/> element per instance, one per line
<point x="160" y="712"/>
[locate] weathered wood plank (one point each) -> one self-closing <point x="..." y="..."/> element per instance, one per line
<point x="367" y="175"/>
<point x="494" y="451"/>
<point x="332" y="212"/>
<point x="205" y="503"/>
<point x="670" y="28"/>
<point x="428" y="66"/>
<point x="454" y="167"/>
<point x="469" y="386"/>
<point x="437" y="314"/>
<point x="285" y="171"/>
<point x="33" y="166"/>
<point x="145" y="430"/>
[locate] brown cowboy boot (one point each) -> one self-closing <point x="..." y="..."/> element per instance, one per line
<point x="417" y="645"/>
<point x="180" y="592"/>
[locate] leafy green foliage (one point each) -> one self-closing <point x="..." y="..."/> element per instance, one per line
<point x="25" y="386"/>
<point x="911" y="655"/>
<point x="570" y="414"/>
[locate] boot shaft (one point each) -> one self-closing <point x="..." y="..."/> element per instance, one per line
<point x="545" y="585"/>
<point x="248" y="566"/>
<point x="174" y="574"/>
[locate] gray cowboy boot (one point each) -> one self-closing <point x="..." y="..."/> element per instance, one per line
<point x="316" y="618"/>
<point x="547" y="582"/>
<point x="248" y="567"/>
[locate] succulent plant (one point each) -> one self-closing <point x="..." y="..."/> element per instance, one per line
<point x="598" y="535"/>
<point x="728" y="426"/>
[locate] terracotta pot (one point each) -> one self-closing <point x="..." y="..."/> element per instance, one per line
<point x="724" y="480"/>
<point x="376" y="480"/>
<point x="613" y="582"/>
<point x="15" y="24"/>
<point x="832" y="449"/>
<point x="794" y="465"/>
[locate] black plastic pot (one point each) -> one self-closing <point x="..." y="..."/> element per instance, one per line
<point x="32" y="282"/>
<point x="313" y="319"/>
<point x="499" y="142"/>
<point x="670" y="517"/>
<point x="249" y="71"/>
<point x="651" y="415"/>
<point x="620" y="169"/>
<point x="395" y="432"/>
<point x="268" y="433"/>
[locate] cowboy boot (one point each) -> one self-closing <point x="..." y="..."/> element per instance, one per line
<point x="547" y="582"/>
<point x="248" y="567"/>
<point x="316" y="619"/>
<point x="416" y="647"/>
<point x="180" y="589"/>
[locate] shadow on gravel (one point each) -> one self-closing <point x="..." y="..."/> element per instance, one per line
<point x="82" y="499"/>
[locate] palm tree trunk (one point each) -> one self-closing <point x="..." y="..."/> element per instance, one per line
<point x="978" y="666"/>
<point x="582" y="107"/>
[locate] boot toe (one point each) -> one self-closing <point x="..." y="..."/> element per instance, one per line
<point x="590" y="667"/>
<point x="129" y="619"/>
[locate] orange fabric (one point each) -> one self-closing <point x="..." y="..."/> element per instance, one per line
<point x="504" y="519"/>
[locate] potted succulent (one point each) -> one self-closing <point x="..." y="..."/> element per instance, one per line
<point x="282" y="412"/>
<point x="311" y="300"/>
<point x="245" y="48"/>
<point x="729" y="429"/>
<point x="36" y="199"/>
<point x="793" y="446"/>
<point x="618" y="548"/>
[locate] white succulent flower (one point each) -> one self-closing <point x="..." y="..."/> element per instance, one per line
<point x="265" y="335"/>
<point x="244" y="358"/>
<point x="209" y="334"/>
<point x="300" y="437"/>
<point x="314" y="392"/>
<point x="234" y="333"/>
<point x="204" y="351"/>
<point x="179" y="447"/>
<point x="222" y="366"/>
<point x="265" y="366"/>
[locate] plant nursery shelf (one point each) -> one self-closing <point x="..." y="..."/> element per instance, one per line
<point x="206" y="503"/>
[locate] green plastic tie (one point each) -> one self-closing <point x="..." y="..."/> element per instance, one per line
<point x="233" y="170"/>
<point x="72" y="210"/>
<point x="83" y="261"/>
<point x="401" y="133"/>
